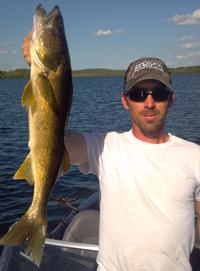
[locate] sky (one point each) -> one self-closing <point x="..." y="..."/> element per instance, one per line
<point x="109" y="34"/>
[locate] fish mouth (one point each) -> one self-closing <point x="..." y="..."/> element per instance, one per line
<point x="43" y="17"/>
<point x="44" y="20"/>
<point x="48" y="38"/>
<point x="42" y="23"/>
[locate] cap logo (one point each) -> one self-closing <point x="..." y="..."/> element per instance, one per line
<point x="148" y="65"/>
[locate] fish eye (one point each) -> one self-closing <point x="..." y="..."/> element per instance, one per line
<point x="57" y="29"/>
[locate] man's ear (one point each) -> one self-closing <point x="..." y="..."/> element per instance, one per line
<point x="171" y="100"/>
<point x="124" y="101"/>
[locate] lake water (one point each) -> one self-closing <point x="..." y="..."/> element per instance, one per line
<point x="96" y="107"/>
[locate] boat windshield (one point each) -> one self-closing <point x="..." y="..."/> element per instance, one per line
<point x="54" y="258"/>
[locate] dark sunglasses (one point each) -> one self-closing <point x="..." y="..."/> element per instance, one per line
<point x="140" y="95"/>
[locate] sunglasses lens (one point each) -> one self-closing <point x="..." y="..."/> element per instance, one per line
<point x="160" y="95"/>
<point x="140" y="95"/>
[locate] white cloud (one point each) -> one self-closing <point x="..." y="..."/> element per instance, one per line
<point x="189" y="46"/>
<point x="120" y="31"/>
<point x="181" y="57"/>
<point x="3" y="51"/>
<point x="189" y="63"/>
<point x="103" y="33"/>
<point x="169" y="64"/>
<point x="110" y="67"/>
<point x="14" y="52"/>
<point x="132" y="49"/>
<point x="8" y="43"/>
<point x="185" y="38"/>
<point x="190" y="57"/>
<point x="188" y="19"/>
<point x="107" y="33"/>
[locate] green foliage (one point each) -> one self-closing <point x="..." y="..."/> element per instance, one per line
<point x="25" y="73"/>
<point x="105" y="72"/>
<point x="97" y="73"/>
<point x="18" y="73"/>
<point x="185" y="70"/>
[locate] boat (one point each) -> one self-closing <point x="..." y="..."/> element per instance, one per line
<point x="73" y="244"/>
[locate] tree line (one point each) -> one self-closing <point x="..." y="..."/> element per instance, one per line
<point x="185" y="70"/>
<point x="15" y="74"/>
<point x="25" y="73"/>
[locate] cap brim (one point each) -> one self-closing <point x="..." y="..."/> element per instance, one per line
<point x="146" y="76"/>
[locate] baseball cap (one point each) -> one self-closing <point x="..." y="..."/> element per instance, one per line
<point x="147" y="68"/>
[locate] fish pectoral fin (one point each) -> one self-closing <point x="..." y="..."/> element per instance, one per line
<point x="44" y="86"/>
<point x="28" y="97"/>
<point x="65" y="166"/>
<point x="25" y="171"/>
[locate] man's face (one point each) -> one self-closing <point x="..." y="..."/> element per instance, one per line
<point x="148" y="117"/>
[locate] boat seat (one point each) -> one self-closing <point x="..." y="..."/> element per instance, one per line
<point x="84" y="228"/>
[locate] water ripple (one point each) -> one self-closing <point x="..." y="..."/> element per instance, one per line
<point x="96" y="107"/>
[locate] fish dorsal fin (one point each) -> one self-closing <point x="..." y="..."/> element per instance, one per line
<point x="25" y="171"/>
<point x="44" y="86"/>
<point x="65" y="166"/>
<point x="28" y="97"/>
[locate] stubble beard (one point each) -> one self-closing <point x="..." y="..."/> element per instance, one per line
<point x="150" y="126"/>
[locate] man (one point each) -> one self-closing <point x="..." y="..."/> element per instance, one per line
<point x="149" y="180"/>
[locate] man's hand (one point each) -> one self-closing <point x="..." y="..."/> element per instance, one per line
<point x="26" y="48"/>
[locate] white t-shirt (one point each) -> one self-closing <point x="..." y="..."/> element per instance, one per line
<point x="147" y="201"/>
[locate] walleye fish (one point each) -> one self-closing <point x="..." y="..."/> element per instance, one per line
<point x="48" y="97"/>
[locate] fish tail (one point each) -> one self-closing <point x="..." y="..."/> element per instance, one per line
<point x="32" y="228"/>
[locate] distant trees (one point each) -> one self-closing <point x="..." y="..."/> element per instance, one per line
<point x="106" y="72"/>
<point x="25" y="73"/>
<point x="18" y="73"/>
<point x="97" y="73"/>
<point x="185" y="70"/>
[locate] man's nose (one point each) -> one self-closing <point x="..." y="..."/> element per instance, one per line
<point x="149" y="102"/>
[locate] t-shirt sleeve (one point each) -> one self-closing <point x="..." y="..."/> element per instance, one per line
<point x="196" y="170"/>
<point x="95" y="146"/>
<point x="197" y="191"/>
